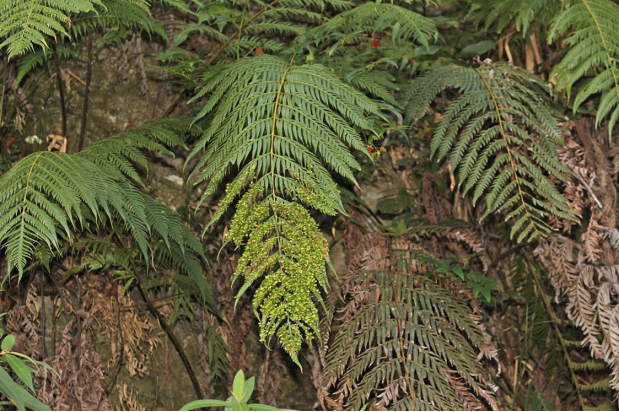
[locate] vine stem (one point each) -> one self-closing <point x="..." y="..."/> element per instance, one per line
<point x="63" y="107"/>
<point x="86" y="92"/>
<point x="164" y="325"/>
<point x="554" y="319"/>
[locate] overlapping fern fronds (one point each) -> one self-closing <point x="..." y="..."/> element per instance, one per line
<point x="594" y="51"/>
<point x="522" y="13"/>
<point x="48" y="196"/>
<point x="284" y="128"/>
<point x="378" y="17"/>
<point x="405" y="342"/>
<point x="500" y="136"/>
<point x="117" y="13"/>
<point x="24" y="23"/>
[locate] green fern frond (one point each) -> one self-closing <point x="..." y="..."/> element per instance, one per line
<point x="44" y="195"/>
<point x="405" y="344"/>
<point x="285" y="247"/>
<point x="217" y="353"/>
<point x="284" y="128"/>
<point x="117" y="13"/>
<point x="503" y="13"/>
<point x="375" y="17"/>
<point x="24" y="23"/>
<point x="500" y="136"/>
<point x="594" y="42"/>
<point x="285" y="122"/>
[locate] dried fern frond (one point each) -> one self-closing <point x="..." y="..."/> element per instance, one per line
<point x="592" y="301"/>
<point x="501" y="140"/>
<point x="405" y="342"/>
<point x="594" y="51"/>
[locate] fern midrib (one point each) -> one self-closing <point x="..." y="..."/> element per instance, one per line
<point x="23" y="33"/>
<point x="509" y="152"/>
<point x="272" y="155"/>
<point x="272" y="149"/>
<point x="399" y="326"/>
<point x="606" y="50"/>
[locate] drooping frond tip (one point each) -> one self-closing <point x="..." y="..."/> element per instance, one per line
<point x="500" y="137"/>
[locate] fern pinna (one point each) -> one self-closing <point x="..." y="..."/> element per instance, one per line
<point x="594" y="51"/>
<point x="282" y="127"/>
<point x="500" y="136"/>
<point x="405" y="343"/>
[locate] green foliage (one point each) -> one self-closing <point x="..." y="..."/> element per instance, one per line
<point x="377" y="17"/>
<point x="48" y="195"/>
<point x="17" y="395"/>
<point x="594" y="51"/>
<point x="500" y="113"/>
<point x="282" y="126"/>
<point x="522" y="13"/>
<point x="117" y="15"/>
<point x="24" y="23"/>
<point x="241" y="393"/>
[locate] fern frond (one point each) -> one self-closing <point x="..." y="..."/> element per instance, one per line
<point x="283" y="127"/>
<point x="594" y="42"/>
<point x="24" y="23"/>
<point x="500" y="136"/>
<point x="373" y="17"/>
<point x="117" y="13"/>
<point x="405" y="343"/>
<point x="502" y="13"/>
<point x="44" y="195"/>
<point x="285" y="122"/>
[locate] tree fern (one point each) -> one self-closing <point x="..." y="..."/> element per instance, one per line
<point x="282" y="127"/>
<point x="52" y="194"/>
<point x="405" y="343"/>
<point x="594" y="42"/>
<point x="500" y="136"/>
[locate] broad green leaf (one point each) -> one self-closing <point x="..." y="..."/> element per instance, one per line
<point x="8" y="342"/>
<point x="10" y="389"/>
<point x="261" y="407"/>
<point x="478" y="48"/>
<point x="21" y="370"/>
<point x="238" y="386"/>
<point x="249" y="388"/>
<point x="204" y="403"/>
